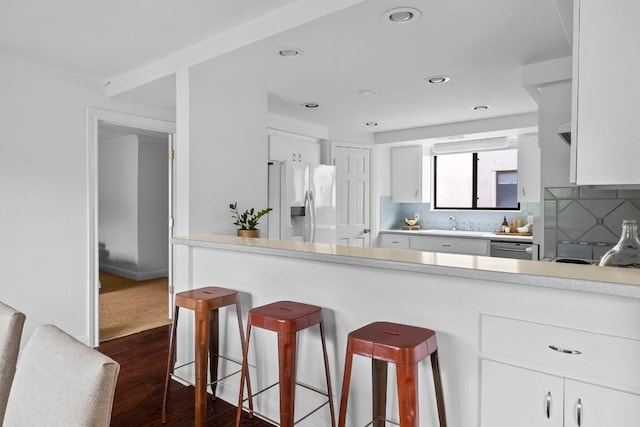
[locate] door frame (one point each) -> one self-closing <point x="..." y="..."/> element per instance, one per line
<point x="94" y="117"/>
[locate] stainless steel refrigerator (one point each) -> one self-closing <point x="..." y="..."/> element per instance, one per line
<point x="303" y="199"/>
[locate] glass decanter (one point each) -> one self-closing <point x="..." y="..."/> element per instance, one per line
<point x="626" y="253"/>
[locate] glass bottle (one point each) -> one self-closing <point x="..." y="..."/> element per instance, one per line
<point x="504" y="225"/>
<point x="626" y="253"/>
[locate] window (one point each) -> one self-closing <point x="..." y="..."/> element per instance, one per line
<point x="476" y="180"/>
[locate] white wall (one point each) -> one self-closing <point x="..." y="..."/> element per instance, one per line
<point x="228" y="147"/>
<point x="118" y="204"/>
<point x="43" y="188"/>
<point x="133" y="206"/>
<point x="554" y="109"/>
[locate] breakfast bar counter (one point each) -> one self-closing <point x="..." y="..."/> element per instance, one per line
<point x="593" y="279"/>
<point x="486" y="313"/>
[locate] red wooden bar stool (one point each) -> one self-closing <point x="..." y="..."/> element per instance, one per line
<point x="286" y="318"/>
<point x="205" y="302"/>
<point x="405" y="346"/>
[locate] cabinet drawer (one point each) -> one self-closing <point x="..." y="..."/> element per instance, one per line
<point x="587" y="354"/>
<point x="453" y="245"/>
<point x="394" y="241"/>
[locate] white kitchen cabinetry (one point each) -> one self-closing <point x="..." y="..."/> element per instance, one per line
<point x="295" y="148"/>
<point x="450" y="245"/>
<point x="394" y="241"/>
<point x="410" y="181"/>
<point x="528" y="169"/>
<point x="605" y="149"/>
<point x="599" y="406"/>
<point x="515" y="396"/>
<point x="528" y="383"/>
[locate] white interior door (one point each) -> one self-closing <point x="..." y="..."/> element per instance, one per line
<point x="353" y="184"/>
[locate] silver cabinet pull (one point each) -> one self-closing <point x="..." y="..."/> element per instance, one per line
<point x="564" y="350"/>
<point x="579" y="412"/>
<point x="548" y="408"/>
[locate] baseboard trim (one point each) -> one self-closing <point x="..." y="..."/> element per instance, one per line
<point x="134" y="275"/>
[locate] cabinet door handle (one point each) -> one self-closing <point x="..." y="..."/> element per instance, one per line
<point x="564" y="350"/>
<point x="548" y="406"/>
<point x="579" y="412"/>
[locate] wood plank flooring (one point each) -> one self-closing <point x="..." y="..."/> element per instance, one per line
<point x="138" y="398"/>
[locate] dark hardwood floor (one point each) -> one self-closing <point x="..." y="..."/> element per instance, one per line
<point x="138" y="398"/>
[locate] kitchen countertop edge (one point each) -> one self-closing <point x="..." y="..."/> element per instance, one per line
<point x="487" y="235"/>
<point x="600" y="280"/>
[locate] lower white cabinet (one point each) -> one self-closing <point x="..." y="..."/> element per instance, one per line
<point x="394" y="241"/>
<point x="454" y="245"/>
<point x="533" y="374"/>
<point x="515" y="396"/>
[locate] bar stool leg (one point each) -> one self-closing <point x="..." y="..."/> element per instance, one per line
<point x="379" y="391"/>
<point x="287" y="374"/>
<point x="437" y="383"/>
<point x="407" y="378"/>
<point x="214" y="349"/>
<point x="244" y="345"/>
<point x="327" y="374"/>
<point x="201" y="349"/>
<point x="244" y="374"/>
<point x="346" y="381"/>
<point x="170" y="363"/>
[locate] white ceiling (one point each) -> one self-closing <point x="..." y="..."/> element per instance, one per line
<point x="480" y="44"/>
<point x="105" y="38"/>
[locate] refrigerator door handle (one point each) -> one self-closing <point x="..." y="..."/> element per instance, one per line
<point x="312" y="218"/>
<point x="307" y="219"/>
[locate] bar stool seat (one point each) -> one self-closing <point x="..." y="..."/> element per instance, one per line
<point x="205" y="303"/>
<point x="404" y="345"/>
<point x="286" y="318"/>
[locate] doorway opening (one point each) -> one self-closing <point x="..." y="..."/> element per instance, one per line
<point x="133" y="212"/>
<point x="130" y="207"/>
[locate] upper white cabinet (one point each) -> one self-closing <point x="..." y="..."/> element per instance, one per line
<point x="605" y="146"/>
<point x="295" y="148"/>
<point x="528" y="168"/>
<point x="410" y="181"/>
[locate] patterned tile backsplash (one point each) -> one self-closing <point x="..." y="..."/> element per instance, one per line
<point x="392" y="216"/>
<point x="585" y="222"/>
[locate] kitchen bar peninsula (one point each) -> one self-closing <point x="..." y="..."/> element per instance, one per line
<point x="492" y="315"/>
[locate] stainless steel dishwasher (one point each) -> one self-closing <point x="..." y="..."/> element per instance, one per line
<point x="517" y="250"/>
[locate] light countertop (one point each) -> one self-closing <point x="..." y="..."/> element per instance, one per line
<point x="582" y="278"/>
<point x="487" y="235"/>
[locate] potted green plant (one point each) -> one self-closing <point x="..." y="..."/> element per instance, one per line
<point x="247" y="221"/>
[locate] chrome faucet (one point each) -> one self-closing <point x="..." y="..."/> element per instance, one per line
<point x="452" y="223"/>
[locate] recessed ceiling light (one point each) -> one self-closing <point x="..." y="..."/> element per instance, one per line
<point x="402" y="15"/>
<point x="371" y="123"/>
<point x="481" y="107"/>
<point x="369" y="93"/>
<point x="437" y="79"/>
<point x="290" y="52"/>
<point x="310" y="104"/>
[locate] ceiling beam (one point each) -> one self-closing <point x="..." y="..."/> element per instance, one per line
<point x="295" y="14"/>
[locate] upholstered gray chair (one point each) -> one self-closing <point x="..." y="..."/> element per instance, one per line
<point x="11" y="324"/>
<point x="60" y="381"/>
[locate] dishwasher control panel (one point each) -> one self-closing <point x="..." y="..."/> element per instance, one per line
<point x="516" y="250"/>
